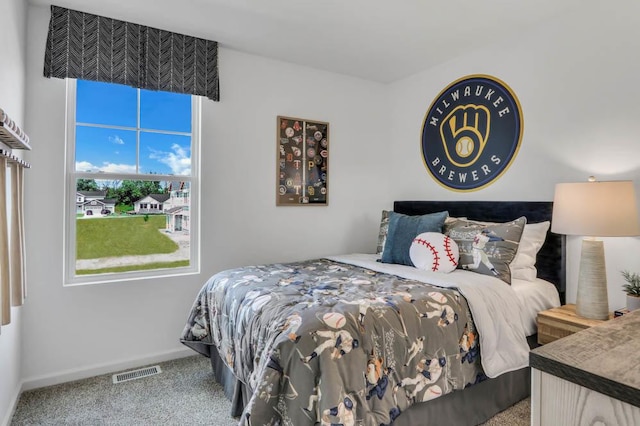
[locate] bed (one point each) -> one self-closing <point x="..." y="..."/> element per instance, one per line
<point x="354" y="341"/>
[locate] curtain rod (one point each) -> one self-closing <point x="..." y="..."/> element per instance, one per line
<point x="13" y="159"/>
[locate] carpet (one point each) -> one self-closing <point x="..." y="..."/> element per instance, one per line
<point x="185" y="393"/>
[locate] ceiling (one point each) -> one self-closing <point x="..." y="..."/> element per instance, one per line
<point x="376" y="40"/>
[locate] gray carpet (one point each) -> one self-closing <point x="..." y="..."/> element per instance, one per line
<point x="185" y="393"/>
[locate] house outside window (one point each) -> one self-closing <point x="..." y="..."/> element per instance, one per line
<point x="128" y="150"/>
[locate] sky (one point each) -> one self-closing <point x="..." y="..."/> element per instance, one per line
<point x="108" y="149"/>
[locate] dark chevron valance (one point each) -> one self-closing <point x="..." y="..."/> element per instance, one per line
<point x="91" y="47"/>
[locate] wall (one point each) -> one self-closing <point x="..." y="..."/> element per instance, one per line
<point x="71" y="332"/>
<point x="12" y="88"/>
<point x="576" y="79"/>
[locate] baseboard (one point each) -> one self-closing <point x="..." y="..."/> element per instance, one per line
<point x="97" y="370"/>
<point x="12" y="407"/>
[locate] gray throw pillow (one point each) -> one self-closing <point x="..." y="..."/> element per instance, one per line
<point x="485" y="247"/>
<point x="384" y="228"/>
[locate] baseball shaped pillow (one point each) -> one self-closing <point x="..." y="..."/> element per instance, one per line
<point x="436" y="252"/>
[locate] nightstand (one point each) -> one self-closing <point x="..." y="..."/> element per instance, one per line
<point x="590" y="377"/>
<point x="556" y="323"/>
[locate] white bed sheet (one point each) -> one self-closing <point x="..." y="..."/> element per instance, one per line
<point x="535" y="296"/>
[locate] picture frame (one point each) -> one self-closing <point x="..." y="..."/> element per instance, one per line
<point x="302" y="171"/>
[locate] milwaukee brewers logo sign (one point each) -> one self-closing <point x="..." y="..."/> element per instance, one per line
<point x="471" y="133"/>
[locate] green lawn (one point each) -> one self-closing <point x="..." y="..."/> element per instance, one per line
<point x="123" y="236"/>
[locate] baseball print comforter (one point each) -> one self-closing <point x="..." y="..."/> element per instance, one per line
<point x="348" y="340"/>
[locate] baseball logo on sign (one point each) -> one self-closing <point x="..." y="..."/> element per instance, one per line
<point x="464" y="147"/>
<point x="471" y="133"/>
<point x="436" y="252"/>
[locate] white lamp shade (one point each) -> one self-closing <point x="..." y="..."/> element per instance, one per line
<point x="595" y="209"/>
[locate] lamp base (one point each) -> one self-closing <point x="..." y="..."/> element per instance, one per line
<point x="592" y="301"/>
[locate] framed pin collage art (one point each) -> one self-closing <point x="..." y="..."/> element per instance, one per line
<point x="303" y="162"/>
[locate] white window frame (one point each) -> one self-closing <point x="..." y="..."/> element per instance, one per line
<point x="71" y="175"/>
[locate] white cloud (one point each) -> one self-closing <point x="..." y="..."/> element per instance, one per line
<point x="85" y="166"/>
<point x="118" y="168"/>
<point x="116" y="140"/>
<point x="179" y="161"/>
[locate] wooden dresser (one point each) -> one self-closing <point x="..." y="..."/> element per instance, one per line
<point x="590" y="377"/>
<point x="556" y="323"/>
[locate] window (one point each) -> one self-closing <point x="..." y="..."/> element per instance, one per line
<point x="132" y="185"/>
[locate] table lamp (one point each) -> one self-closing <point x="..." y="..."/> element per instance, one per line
<point x="594" y="209"/>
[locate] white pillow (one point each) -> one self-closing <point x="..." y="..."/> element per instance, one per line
<point x="523" y="265"/>
<point x="431" y="251"/>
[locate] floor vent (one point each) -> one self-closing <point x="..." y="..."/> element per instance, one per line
<point x="136" y="374"/>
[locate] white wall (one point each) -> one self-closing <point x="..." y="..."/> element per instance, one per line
<point x="576" y="79"/>
<point x="239" y="162"/>
<point x="74" y="331"/>
<point x="12" y="86"/>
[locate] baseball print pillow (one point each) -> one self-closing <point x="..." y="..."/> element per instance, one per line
<point x="432" y="251"/>
<point x="487" y="247"/>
